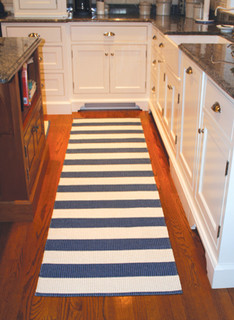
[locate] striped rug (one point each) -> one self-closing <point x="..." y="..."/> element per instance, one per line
<point x="108" y="235"/>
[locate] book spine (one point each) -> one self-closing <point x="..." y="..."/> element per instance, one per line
<point x="24" y="76"/>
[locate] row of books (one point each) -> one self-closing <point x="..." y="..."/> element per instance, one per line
<point x="28" y="86"/>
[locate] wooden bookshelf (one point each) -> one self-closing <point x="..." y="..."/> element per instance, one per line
<point x="24" y="153"/>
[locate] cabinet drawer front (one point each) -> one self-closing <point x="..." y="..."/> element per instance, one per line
<point x="51" y="58"/>
<point x="109" y="33"/>
<point x="39" y="4"/>
<point x="52" y="84"/>
<point x="49" y="35"/>
<point x="224" y="118"/>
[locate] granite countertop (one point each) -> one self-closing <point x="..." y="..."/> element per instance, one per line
<point x="216" y="60"/>
<point x="13" y="53"/>
<point x="221" y="73"/>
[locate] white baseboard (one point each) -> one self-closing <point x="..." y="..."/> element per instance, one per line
<point x="63" y="107"/>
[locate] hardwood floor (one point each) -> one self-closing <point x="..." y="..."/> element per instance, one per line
<point x="22" y="245"/>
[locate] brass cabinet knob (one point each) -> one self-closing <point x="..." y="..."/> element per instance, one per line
<point x="154" y="62"/>
<point x="112" y="54"/>
<point x="189" y="70"/>
<point x="109" y="34"/>
<point x="216" y="107"/>
<point x="169" y="87"/>
<point x="161" y="45"/>
<point x="200" y="130"/>
<point x="33" y="35"/>
<point x="106" y="54"/>
<point x="160" y="61"/>
<point x="153" y="89"/>
<point x="154" y="37"/>
<point x="40" y="59"/>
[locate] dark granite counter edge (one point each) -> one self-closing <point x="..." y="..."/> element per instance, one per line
<point x="19" y="63"/>
<point x="213" y="75"/>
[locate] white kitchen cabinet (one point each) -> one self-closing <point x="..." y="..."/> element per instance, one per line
<point x="38" y="4"/>
<point x="128" y="68"/>
<point x="109" y="63"/>
<point x="166" y="90"/>
<point x="214" y="158"/>
<point x="90" y="69"/>
<point x="40" y="8"/>
<point x="192" y="84"/>
<point x="53" y="59"/>
<point x="171" y="110"/>
<point x="202" y="169"/>
<point x="104" y="69"/>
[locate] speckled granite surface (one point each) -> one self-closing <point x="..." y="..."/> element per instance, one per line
<point x="13" y="53"/>
<point x="210" y="58"/>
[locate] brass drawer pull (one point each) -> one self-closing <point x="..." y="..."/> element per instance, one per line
<point x="154" y="37"/>
<point x="161" y="45"/>
<point x="153" y="89"/>
<point x="34" y="35"/>
<point x="169" y="87"/>
<point x="216" y="107"/>
<point x="200" y="130"/>
<point x="189" y="70"/>
<point x="109" y="34"/>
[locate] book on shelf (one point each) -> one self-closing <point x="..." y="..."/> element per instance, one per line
<point x="29" y="87"/>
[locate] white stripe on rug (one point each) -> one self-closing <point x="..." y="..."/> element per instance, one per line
<point x="107" y="235"/>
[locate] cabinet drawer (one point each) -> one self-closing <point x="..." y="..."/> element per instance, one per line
<point x="52" y="84"/>
<point x="49" y="35"/>
<point x="108" y="33"/>
<point x="224" y="118"/>
<point x="51" y="58"/>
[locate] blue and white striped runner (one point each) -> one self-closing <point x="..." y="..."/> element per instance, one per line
<point x="108" y="235"/>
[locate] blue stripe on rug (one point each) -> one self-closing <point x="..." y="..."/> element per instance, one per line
<point x="99" y="237"/>
<point x="107" y="188"/>
<point x="105" y="161"/>
<point x="107" y="150"/>
<point x="106" y="222"/>
<point x="98" y="204"/>
<point x="104" y="131"/>
<point x="107" y="244"/>
<point x="108" y="270"/>
<point x="106" y="140"/>
<point x="106" y="174"/>
<point x="103" y="124"/>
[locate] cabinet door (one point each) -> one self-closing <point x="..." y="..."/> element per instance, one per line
<point x="34" y="141"/>
<point x="90" y="69"/>
<point x="161" y="88"/>
<point x="38" y="4"/>
<point x="190" y="117"/>
<point x="215" y="153"/>
<point x="170" y="114"/>
<point x="128" y="69"/>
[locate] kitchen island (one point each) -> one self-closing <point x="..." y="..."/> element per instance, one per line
<point x="24" y="153"/>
